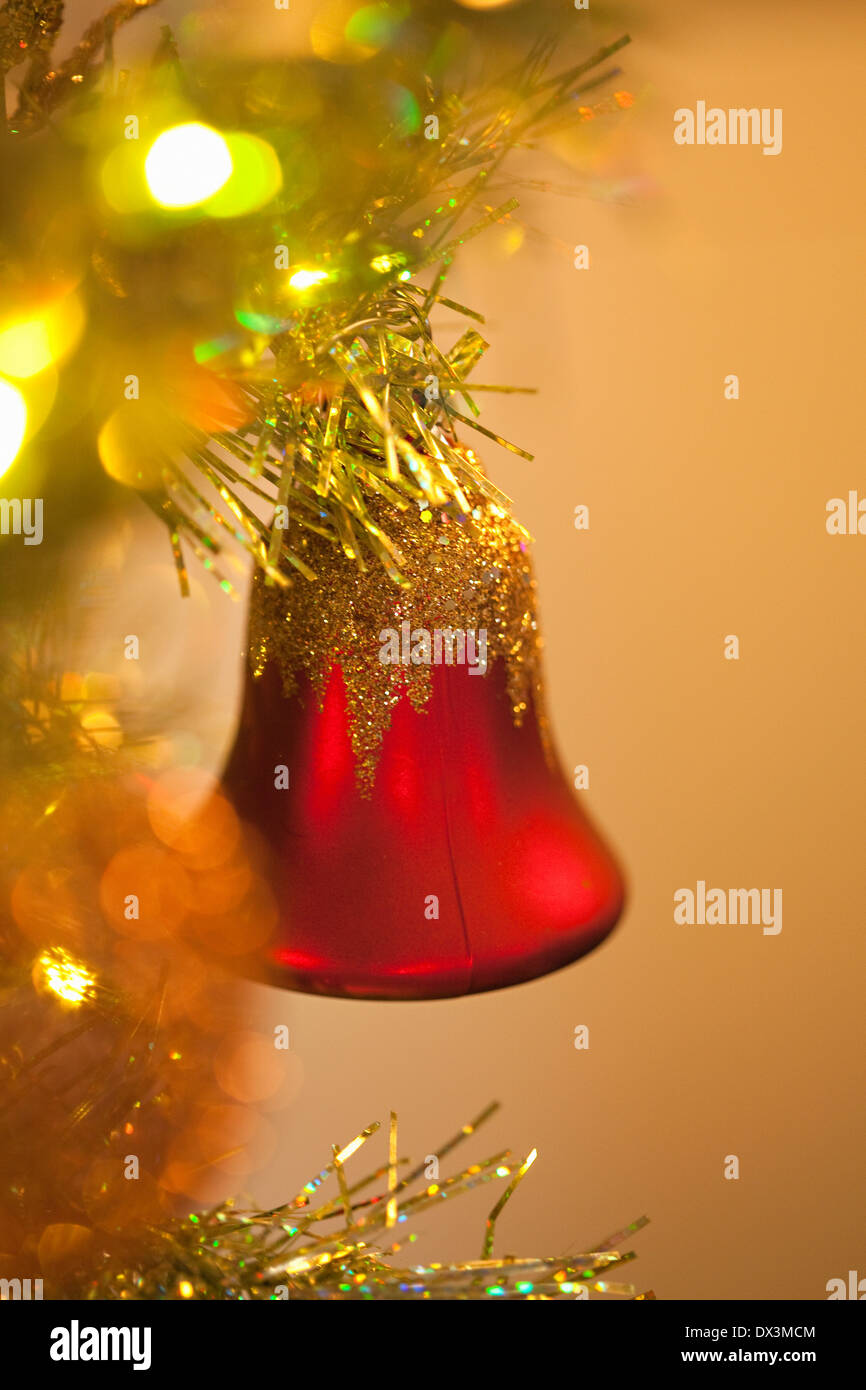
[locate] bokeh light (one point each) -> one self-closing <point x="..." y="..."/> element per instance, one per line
<point x="131" y="449"/>
<point x="220" y="888"/>
<point x="13" y="423"/>
<point x="307" y="279"/>
<point x="203" y="399"/>
<point x="32" y="344"/>
<point x="188" y="814"/>
<point x="142" y="893"/>
<point x="328" y="34"/>
<point x="245" y="930"/>
<point x="186" y="165"/>
<point x="123" y="181"/>
<point x="256" y="177"/>
<point x="248" y="1067"/>
<point x="345" y="32"/>
<point x="485" y="4"/>
<point x="374" y="27"/>
<point x="403" y="107"/>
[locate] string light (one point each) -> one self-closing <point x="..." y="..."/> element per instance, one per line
<point x="306" y="279"/>
<point x="13" y="423"/>
<point x="186" y="165"/>
<point x="60" y="973"/>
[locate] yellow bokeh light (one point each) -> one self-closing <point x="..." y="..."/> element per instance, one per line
<point x="25" y="348"/>
<point x="123" y="181"/>
<point x="328" y="37"/>
<point x="306" y="279"/>
<point x="131" y="448"/>
<point x="186" y="165"/>
<point x="31" y="345"/>
<point x="256" y="177"/>
<point x="13" y="423"/>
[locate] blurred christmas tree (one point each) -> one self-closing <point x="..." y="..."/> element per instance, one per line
<point x="217" y="281"/>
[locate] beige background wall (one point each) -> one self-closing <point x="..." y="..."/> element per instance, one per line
<point x="707" y="518"/>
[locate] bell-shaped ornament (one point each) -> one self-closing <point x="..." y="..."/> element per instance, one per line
<point x="394" y="754"/>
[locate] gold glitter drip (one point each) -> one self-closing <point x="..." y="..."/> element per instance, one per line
<point x="464" y="573"/>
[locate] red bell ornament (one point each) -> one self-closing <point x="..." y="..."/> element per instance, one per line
<point x="394" y="754"/>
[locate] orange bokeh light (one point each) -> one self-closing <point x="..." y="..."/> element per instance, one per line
<point x="142" y="892"/>
<point x="245" y="929"/>
<point x="248" y="1067"/>
<point x="187" y="813"/>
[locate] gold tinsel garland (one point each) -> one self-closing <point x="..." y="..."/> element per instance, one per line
<point x="349" y="1245"/>
<point x="288" y="1252"/>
